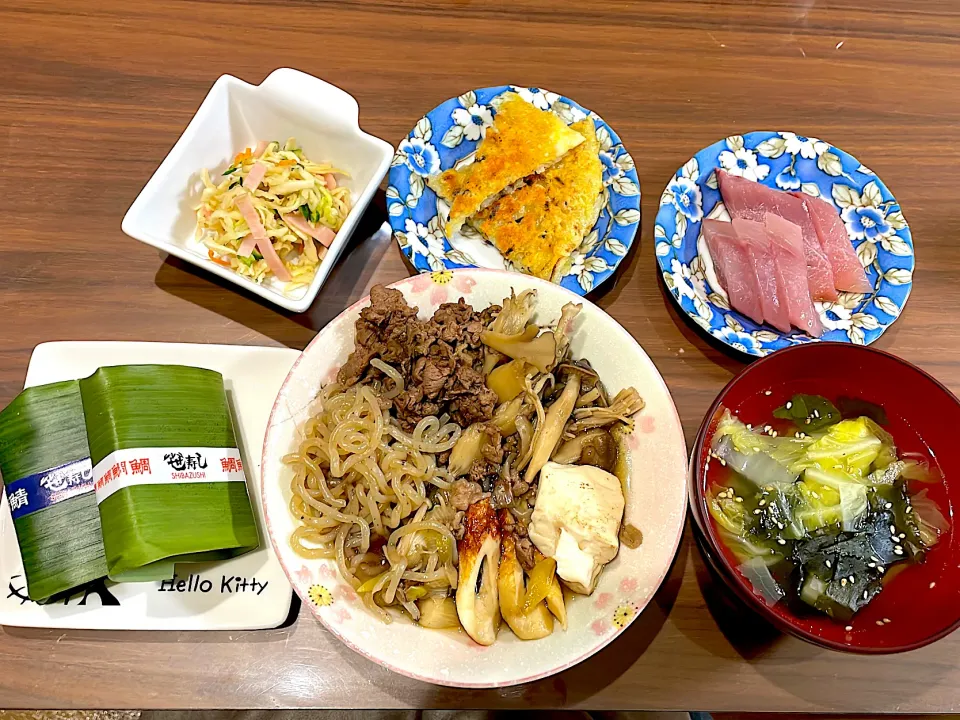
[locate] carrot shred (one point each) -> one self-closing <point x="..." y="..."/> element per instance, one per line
<point x="217" y="260"/>
<point x="243" y="157"/>
<point x="286" y="163"/>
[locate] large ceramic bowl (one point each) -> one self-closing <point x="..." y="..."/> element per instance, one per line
<point x="921" y="604"/>
<point x="656" y="500"/>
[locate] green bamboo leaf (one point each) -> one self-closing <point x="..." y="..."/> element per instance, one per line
<point x="61" y="546"/>
<point x="148" y="527"/>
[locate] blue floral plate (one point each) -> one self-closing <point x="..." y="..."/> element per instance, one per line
<point x="448" y="137"/>
<point x="785" y="161"/>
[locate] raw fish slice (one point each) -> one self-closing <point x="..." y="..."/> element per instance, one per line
<point x="733" y="267"/>
<point x="786" y="241"/>
<point x="750" y="200"/>
<point x="848" y="273"/>
<point x="772" y="302"/>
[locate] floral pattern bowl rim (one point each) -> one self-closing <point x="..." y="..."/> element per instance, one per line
<point x="784" y="161"/>
<point x="448" y="136"/>
<point x="627" y="585"/>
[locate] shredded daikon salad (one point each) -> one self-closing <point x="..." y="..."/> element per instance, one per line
<point x="274" y="213"/>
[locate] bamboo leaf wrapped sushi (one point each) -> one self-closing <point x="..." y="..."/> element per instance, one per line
<point x="48" y="477"/>
<point x="167" y="470"/>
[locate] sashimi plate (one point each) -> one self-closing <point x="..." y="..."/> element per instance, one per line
<point x="448" y="136"/>
<point x="785" y="161"/>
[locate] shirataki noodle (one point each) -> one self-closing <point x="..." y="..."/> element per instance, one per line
<point x="378" y="478"/>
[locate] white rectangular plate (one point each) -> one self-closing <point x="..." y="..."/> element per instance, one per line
<point x="246" y="593"/>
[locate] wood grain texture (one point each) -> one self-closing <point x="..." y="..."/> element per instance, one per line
<point x="93" y="94"/>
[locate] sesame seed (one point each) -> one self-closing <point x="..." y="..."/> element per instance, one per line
<point x="880" y="623"/>
<point x="797" y="435"/>
<point x="773" y="433"/>
<point x="843" y="582"/>
<point x="903" y="536"/>
<point x="816" y="413"/>
<point x="767" y="428"/>
<point x="887" y="621"/>
<point x="932" y="585"/>
<point x="865" y="594"/>
<point x="757" y="511"/>
<point x="848" y="628"/>
<point x="852" y="579"/>
<point x="882" y="569"/>
<point x="780" y="525"/>
<point x="749" y="426"/>
<point x="814" y="495"/>
<point x="722" y="461"/>
<point x="781" y="541"/>
<point x="738" y="499"/>
<point x="807" y="421"/>
<point x="769" y="488"/>
<point x="889" y="505"/>
<point x="829" y="564"/>
<point x="762" y="503"/>
<point x="893" y="530"/>
<point x="871" y="565"/>
<point x="788" y="405"/>
<point x="768" y="392"/>
<point x="898" y="550"/>
<point x="875" y="559"/>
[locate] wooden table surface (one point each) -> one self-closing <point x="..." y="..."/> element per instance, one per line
<point x="93" y="94"/>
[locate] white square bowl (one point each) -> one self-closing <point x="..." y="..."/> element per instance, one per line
<point x="236" y="115"/>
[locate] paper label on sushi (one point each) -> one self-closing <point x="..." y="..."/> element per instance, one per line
<point x="40" y="490"/>
<point x="165" y="466"/>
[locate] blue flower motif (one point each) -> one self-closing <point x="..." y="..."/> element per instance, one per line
<point x="744" y="342"/>
<point x="422" y="157"/>
<point x="788" y="179"/>
<point x="474" y="120"/>
<point x="866" y="222"/>
<point x="687" y="198"/>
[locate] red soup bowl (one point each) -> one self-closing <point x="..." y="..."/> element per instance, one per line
<point x="919" y="605"/>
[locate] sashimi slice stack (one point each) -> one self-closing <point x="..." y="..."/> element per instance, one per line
<point x="781" y="252"/>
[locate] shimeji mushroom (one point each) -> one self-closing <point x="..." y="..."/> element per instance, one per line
<point x="512" y="319"/>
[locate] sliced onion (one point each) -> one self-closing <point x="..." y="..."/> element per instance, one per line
<point x="758" y="468"/>
<point x="757" y="572"/>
